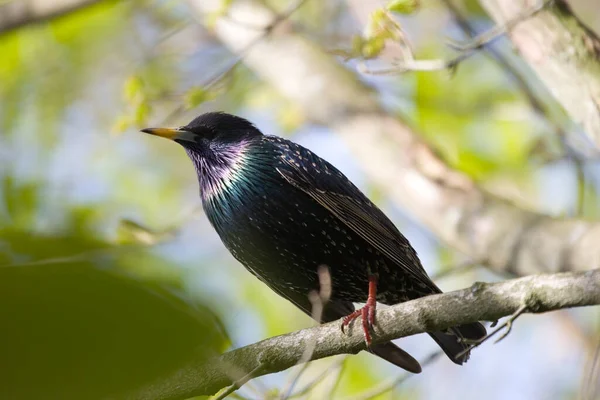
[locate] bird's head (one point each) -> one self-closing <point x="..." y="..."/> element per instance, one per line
<point x="209" y="131"/>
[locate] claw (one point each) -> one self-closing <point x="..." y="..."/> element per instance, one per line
<point x="349" y="318"/>
<point x="367" y="313"/>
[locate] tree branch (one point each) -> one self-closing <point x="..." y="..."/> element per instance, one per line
<point x="16" y="13"/>
<point x="503" y="236"/>
<point x="482" y="301"/>
<point x="563" y="52"/>
<point x="507" y="65"/>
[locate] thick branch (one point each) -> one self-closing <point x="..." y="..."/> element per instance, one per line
<point x="16" y="13"/>
<point x="489" y="302"/>
<point x="563" y="52"/>
<point x="506" y="237"/>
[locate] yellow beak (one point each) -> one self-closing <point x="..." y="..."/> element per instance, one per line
<point x="168" y="133"/>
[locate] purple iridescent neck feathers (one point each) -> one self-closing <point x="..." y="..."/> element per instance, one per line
<point x="218" y="167"/>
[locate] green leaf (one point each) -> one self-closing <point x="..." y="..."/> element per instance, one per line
<point x="196" y="96"/>
<point x="403" y="6"/>
<point x="130" y="232"/>
<point x="142" y="112"/>
<point x="133" y="89"/>
<point x="372" y="47"/>
<point x="75" y="326"/>
<point x="122" y="123"/>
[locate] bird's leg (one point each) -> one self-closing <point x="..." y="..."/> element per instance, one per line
<point x="367" y="312"/>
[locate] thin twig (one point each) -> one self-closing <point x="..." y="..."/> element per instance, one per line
<point x="336" y="366"/>
<point x="581" y="186"/>
<point x="466" y="49"/>
<point x="497" y="31"/>
<point x="506" y="325"/>
<point x="507" y="66"/>
<point x="336" y="383"/>
<point x="592" y="385"/>
<point x="318" y="301"/>
<point x="502" y="61"/>
<point x="238" y="384"/>
<point x="83" y="256"/>
<point x="417" y="65"/>
<point x="241" y="54"/>
<point x="391" y="384"/>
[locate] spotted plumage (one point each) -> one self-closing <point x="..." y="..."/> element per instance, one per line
<point x="283" y="212"/>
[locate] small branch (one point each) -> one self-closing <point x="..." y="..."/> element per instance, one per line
<point x="466" y="49"/>
<point x="539" y="293"/>
<point x="507" y="326"/>
<point x="563" y="52"/>
<point x="17" y="13"/>
<point x="336" y="384"/>
<point x="591" y="387"/>
<point x="537" y="104"/>
<point x="239" y="383"/>
<point x="390" y="385"/>
<point x="260" y="33"/>
<point x="318" y="301"/>
<point x="499" y="30"/>
<point x="320" y="377"/>
<point x="416" y="65"/>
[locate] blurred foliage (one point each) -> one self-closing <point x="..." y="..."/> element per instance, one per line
<point x="403" y="6"/>
<point x="381" y="28"/>
<point x="151" y="83"/>
<point x="474" y="130"/>
<point x="81" y="318"/>
<point x="43" y="66"/>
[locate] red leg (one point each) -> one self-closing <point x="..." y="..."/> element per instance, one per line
<point x="367" y="312"/>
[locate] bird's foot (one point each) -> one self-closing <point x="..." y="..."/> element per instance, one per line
<point x="367" y="313"/>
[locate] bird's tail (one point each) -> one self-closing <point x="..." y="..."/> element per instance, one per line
<point x="394" y="354"/>
<point x="450" y="340"/>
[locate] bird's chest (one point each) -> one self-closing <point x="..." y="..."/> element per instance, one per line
<point x="283" y="236"/>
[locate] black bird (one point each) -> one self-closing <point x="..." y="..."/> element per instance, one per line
<point x="283" y="212"/>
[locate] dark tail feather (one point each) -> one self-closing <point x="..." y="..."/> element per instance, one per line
<point x="394" y="354"/>
<point x="450" y="341"/>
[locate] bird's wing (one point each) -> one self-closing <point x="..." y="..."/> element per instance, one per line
<point x="330" y="188"/>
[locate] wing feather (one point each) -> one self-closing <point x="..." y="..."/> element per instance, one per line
<point x="346" y="202"/>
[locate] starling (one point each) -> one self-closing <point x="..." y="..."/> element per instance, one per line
<point x="282" y="211"/>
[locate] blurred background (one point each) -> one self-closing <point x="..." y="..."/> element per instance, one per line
<point x="110" y="274"/>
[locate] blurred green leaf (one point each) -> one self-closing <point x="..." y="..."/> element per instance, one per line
<point x="142" y="112"/>
<point x="122" y="123"/>
<point x="45" y="66"/>
<point x="372" y="47"/>
<point x="74" y="327"/>
<point x="20" y="200"/>
<point x="290" y="117"/>
<point x="467" y="118"/>
<point x="133" y="89"/>
<point x="403" y="6"/>
<point x="196" y="96"/>
<point x="130" y="232"/>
